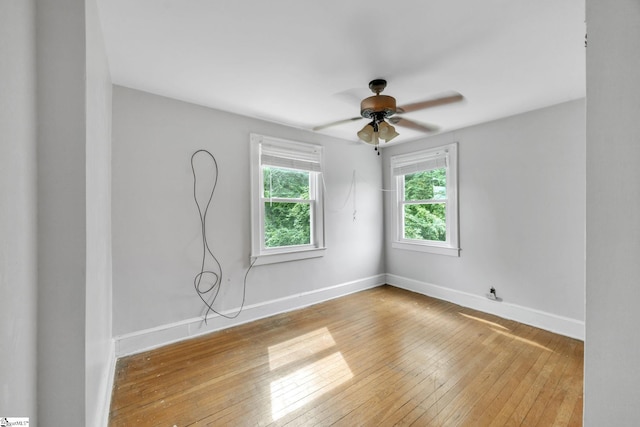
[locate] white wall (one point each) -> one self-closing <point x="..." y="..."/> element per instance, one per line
<point x="156" y="234"/>
<point x="52" y="254"/>
<point x="99" y="347"/>
<point x="60" y="46"/>
<point x="612" y="346"/>
<point x="522" y="218"/>
<point x="18" y="279"/>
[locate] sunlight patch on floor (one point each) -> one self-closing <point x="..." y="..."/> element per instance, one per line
<point x="524" y="340"/>
<point x="299" y="347"/>
<point x="296" y="389"/>
<point x="488" y="322"/>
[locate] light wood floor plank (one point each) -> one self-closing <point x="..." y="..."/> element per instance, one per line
<point x="379" y="357"/>
<point x="508" y="386"/>
<point x="451" y="382"/>
<point x="489" y="381"/>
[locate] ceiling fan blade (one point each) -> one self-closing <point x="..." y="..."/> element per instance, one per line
<point x="422" y="127"/>
<point x="448" y="99"/>
<point x="339" y="122"/>
<point x="352" y="96"/>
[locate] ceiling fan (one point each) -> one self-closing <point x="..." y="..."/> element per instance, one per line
<point x="380" y="107"/>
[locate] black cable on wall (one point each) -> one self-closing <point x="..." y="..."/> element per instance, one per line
<point x="208" y="282"/>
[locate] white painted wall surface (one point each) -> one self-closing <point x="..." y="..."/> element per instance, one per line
<point x="156" y="233"/>
<point x="18" y="278"/>
<point x="62" y="260"/>
<point x="612" y="346"/>
<point x="99" y="343"/>
<point x="522" y="215"/>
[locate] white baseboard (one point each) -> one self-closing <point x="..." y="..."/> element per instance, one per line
<point x="148" y="339"/>
<point x="551" y="322"/>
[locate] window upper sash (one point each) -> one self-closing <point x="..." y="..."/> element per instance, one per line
<point x="304" y="157"/>
<point x="414" y="165"/>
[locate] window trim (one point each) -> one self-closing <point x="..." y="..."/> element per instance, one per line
<point x="306" y="156"/>
<point x="404" y="164"/>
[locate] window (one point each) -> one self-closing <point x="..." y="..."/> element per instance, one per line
<point x="286" y="203"/>
<point x="426" y="208"/>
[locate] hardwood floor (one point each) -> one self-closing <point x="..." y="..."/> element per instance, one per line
<point x="379" y="357"/>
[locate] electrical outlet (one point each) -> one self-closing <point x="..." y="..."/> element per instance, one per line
<point x="492" y="295"/>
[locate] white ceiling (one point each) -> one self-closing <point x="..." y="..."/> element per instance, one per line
<point x="306" y="63"/>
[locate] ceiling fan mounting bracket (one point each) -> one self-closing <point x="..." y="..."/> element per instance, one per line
<point x="377" y="85"/>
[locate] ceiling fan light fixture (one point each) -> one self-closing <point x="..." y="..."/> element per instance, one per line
<point x="386" y="131"/>
<point x="367" y="133"/>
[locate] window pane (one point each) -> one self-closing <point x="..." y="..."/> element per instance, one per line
<point x="427" y="185"/>
<point x="285" y="183"/>
<point x="425" y="222"/>
<point x="287" y="224"/>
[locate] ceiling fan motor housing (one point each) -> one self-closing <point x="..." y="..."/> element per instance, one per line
<point x="378" y="105"/>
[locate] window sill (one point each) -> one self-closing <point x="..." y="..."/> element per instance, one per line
<point x="420" y="247"/>
<point x="288" y="256"/>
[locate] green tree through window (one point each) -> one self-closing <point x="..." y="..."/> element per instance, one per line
<point x="287" y="210"/>
<point x="425" y="205"/>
